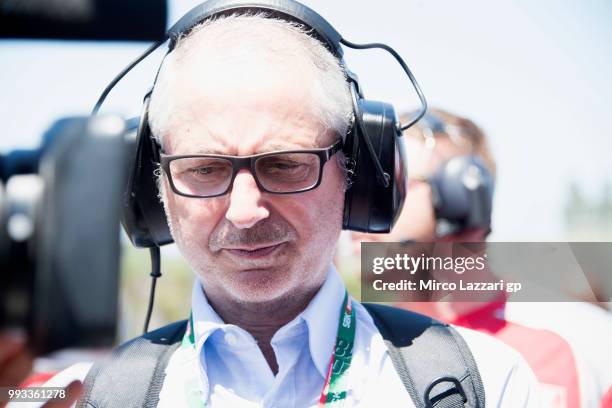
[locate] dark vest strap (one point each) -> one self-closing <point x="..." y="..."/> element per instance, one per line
<point x="134" y="373"/>
<point x="431" y="358"/>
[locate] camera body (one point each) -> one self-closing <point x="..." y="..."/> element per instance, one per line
<point x="59" y="234"/>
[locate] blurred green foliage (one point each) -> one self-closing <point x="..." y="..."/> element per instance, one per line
<point x="172" y="295"/>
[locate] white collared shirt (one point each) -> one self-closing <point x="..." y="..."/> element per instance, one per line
<point x="234" y="373"/>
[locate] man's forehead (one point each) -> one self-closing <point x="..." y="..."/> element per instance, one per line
<point x="244" y="97"/>
<point x="216" y="109"/>
<point x="212" y="146"/>
<point x="257" y="132"/>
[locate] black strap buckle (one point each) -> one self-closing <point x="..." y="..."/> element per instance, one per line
<point x="457" y="389"/>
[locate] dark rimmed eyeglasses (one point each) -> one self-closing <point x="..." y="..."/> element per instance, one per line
<point x="281" y="172"/>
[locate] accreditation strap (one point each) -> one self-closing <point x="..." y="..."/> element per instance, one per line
<point x="189" y="337"/>
<point x="335" y="386"/>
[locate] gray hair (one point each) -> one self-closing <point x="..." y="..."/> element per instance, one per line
<point x="278" y="40"/>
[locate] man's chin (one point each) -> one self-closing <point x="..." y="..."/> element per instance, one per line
<point x="261" y="286"/>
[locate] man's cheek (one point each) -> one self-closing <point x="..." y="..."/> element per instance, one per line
<point x="198" y="212"/>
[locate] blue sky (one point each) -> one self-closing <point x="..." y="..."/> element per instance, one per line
<point x="534" y="75"/>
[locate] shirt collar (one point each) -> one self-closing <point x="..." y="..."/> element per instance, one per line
<point x="205" y="320"/>
<point x="321" y="317"/>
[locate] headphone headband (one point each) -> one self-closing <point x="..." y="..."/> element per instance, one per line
<point x="286" y="9"/>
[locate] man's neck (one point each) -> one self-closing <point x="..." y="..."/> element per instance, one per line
<point x="262" y="319"/>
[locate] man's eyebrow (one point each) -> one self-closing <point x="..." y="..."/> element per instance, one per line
<point x="275" y="146"/>
<point x="270" y="149"/>
<point x="210" y="151"/>
<point x="266" y="148"/>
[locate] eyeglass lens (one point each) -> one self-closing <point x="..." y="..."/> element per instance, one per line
<point x="276" y="173"/>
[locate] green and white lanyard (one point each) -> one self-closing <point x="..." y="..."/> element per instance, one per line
<point x="335" y="387"/>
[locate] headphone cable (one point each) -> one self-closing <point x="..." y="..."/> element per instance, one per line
<point x="155" y="273"/>
<point x="400" y="61"/>
<point x="123" y="73"/>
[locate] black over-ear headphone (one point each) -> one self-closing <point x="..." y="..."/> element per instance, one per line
<point x="462" y="192"/>
<point x="462" y="188"/>
<point x="373" y="146"/>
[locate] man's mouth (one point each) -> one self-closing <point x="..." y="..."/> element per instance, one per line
<point x="254" y="252"/>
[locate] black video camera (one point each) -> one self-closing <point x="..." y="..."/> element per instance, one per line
<point x="59" y="234"/>
<point x="60" y="203"/>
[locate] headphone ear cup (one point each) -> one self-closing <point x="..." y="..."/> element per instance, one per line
<point x="369" y="206"/>
<point x="143" y="216"/>
<point x="462" y="195"/>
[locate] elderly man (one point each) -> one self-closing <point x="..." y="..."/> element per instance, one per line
<point x="260" y="236"/>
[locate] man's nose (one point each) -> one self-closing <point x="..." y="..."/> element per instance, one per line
<point x="245" y="207"/>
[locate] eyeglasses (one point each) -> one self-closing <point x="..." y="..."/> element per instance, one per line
<point x="282" y="172"/>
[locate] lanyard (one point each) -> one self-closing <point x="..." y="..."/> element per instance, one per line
<point x="334" y="387"/>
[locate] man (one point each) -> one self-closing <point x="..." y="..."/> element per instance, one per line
<point x="564" y="343"/>
<point x="266" y="302"/>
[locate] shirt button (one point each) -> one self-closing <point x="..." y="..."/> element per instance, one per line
<point x="231" y="339"/>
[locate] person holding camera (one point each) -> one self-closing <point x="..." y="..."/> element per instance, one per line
<point x="565" y="343"/>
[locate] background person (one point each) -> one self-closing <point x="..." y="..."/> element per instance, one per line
<point x="565" y="343"/>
